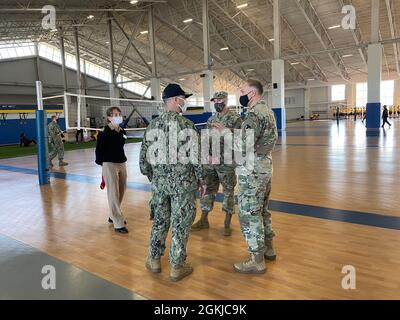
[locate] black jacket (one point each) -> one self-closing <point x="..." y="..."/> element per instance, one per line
<point x="385" y="114"/>
<point x="110" y="146"/>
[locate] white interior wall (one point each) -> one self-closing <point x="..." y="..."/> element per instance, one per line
<point x="17" y="86"/>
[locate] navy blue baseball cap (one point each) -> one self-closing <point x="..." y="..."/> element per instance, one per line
<point x="174" y="90"/>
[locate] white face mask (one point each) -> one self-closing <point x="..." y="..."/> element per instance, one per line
<point x="184" y="107"/>
<point x="117" y="120"/>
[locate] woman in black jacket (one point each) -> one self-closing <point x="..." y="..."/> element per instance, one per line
<point x="110" y="154"/>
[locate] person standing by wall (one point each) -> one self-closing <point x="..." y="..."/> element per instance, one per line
<point x="110" y="155"/>
<point x="55" y="136"/>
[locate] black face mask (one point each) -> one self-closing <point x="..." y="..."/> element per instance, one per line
<point x="244" y="100"/>
<point x="219" y="106"/>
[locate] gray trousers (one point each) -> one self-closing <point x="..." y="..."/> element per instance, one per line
<point x="115" y="177"/>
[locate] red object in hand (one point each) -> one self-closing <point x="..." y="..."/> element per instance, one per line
<point x="103" y="183"/>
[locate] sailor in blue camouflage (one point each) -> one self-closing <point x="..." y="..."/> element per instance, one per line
<point x="174" y="185"/>
<point x="220" y="173"/>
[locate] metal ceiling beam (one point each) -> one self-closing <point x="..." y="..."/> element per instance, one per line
<point x="111" y="49"/>
<point x="152" y="40"/>
<point x="130" y="43"/>
<point x="314" y="53"/>
<point x="252" y="31"/>
<point x="128" y="46"/>
<point x="384" y="54"/>
<point x="356" y="33"/>
<point x="393" y="33"/>
<point x="187" y="38"/>
<point x="294" y="42"/>
<point x="225" y="43"/>
<point x="69" y="10"/>
<point x="320" y="31"/>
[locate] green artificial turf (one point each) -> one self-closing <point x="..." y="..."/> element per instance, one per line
<point x="17" y="151"/>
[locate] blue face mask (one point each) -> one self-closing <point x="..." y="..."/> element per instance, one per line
<point x="117" y="120"/>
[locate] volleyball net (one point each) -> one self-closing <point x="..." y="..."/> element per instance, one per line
<point x="89" y="112"/>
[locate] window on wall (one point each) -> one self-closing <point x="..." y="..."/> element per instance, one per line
<point x="338" y="92"/>
<point x="387" y="92"/>
<point x="53" y="53"/>
<point x="231" y="100"/>
<point x="16" y="49"/>
<point x="195" y="101"/>
<point x="361" y="94"/>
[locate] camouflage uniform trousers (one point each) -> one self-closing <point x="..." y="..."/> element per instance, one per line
<point x="177" y="211"/>
<point x="216" y="175"/>
<point x="57" y="149"/>
<point x="254" y="217"/>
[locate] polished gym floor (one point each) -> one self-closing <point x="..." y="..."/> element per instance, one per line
<point x="335" y="202"/>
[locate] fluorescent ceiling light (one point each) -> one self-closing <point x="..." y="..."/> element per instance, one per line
<point x="250" y="70"/>
<point x="272" y="39"/>
<point x="181" y="79"/>
<point x="347" y="55"/>
<point x="295" y="63"/>
<point x="134" y="1"/>
<point x="311" y="79"/>
<point x="90" y="16"/>
<point x="334" y="27"/>
<point x="149" y="62"/>
<point x="144" y="31"/>
<point x="224" y="49"/>
<point x="241" y="6"/>
<point x="188" y="20"/>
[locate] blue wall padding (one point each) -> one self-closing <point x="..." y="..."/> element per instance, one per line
<point x="10" y="130"/>
<point x="198" y="118"/>
<point x="280" y="115"/>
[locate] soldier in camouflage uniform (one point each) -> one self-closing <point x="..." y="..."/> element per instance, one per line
<point x="55" y="137"/>
<point x="255" y="184"/>
<point x="221" y="173"/>
<point x="174" y="186"/>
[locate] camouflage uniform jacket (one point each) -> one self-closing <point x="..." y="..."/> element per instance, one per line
<point x="261" y="119"/>
<point x="171" y="178"/>
<point x="230" y="120"/>
<point x="54" y="132"/>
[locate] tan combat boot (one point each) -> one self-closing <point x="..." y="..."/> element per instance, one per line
<point x="62" y="163"/>
<point x="178" y="273"/>
<point x="202" y="223"/>
<point x="153" y="265"/>
<point x="269" y="254"/>
<point x="227" y="225"/>
<point x="255" y="264"/>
